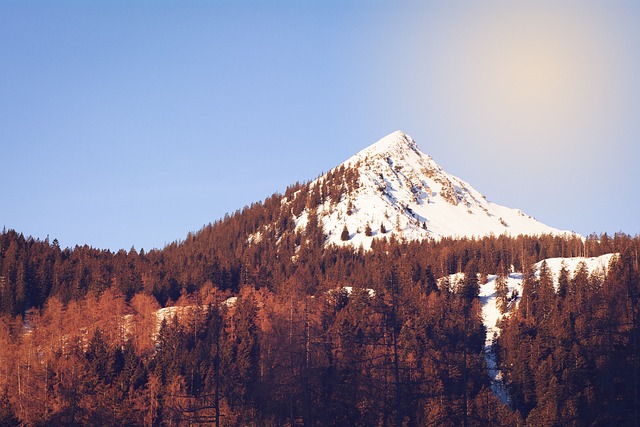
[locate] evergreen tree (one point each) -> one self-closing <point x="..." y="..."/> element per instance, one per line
<point x="241" y="356"/>
<point x="100" y="358"/>
<point x="546" y="290"/>
<point x="563" y="281"/>
<point x="470" y="288"/>
<point x="502" y="291"/>
<point x="367" y="230"/>
<point x="345" y="234"/>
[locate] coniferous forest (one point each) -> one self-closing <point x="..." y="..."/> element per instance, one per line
<point x="281" y="331"/>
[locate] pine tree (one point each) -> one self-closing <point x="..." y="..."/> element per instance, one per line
<point x="242" y="356"/>
<point x="546" y="291"/>
<point x="100" y="359"/>
<point x="563" y="281"/>
<point x="345" y="234"/>
<point x="132" y="375"/>
<point x="501" y="293"/>
<point x="470" y="287"/>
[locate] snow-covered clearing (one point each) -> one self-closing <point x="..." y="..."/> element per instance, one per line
<point x="491" y="314"/>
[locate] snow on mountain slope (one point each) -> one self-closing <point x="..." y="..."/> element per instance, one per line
<point x="402" y="191"/>
<point x="594" y="265"/>
<point x="491" y="315"/>
<point x="490" y="312"/>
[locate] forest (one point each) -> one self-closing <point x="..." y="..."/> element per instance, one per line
<point x="282" y="330"/>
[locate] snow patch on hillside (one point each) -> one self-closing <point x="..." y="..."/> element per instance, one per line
<point x="491" y="315"/>
<point x="597" y="265"/>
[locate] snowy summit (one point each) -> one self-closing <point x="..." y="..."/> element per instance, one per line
<point x="393" y="189"/>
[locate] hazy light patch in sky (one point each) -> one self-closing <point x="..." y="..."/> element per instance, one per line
<point x="525" y="96"/>
<point x="523" y="77"/>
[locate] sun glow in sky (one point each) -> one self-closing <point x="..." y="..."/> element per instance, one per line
<point x="131" y="124"/>
<point x="529" y="76"/>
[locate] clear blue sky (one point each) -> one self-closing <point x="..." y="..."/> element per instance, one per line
<point x="132" y="123"/>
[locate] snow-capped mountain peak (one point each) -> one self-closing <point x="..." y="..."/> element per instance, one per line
<point x="392" y="143"/>
<point x="392" y="188"/>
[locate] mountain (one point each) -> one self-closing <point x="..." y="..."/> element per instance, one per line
<point x="397" y="190"/>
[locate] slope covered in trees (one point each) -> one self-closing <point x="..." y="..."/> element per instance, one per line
<point x="79" y="343"/>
